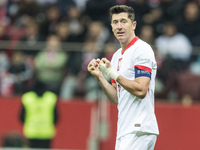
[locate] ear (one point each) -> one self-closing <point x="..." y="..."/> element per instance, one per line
<point x="134" y="25"/>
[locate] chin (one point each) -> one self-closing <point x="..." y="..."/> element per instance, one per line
<point x="121" y="39"/>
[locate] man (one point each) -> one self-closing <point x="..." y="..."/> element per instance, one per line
<point x="39" y="116"/>
<point x="133" y="70"/>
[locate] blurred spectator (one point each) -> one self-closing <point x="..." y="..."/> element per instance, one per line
<point x="195" y="66"/>
<point x="2" y="10"/>
<point x="77" y="23"/>
<point x="82" y="83"/>
<point x="81" y="4"/>
<point x="156" y="19"/>
<point x="153" y="3"/>
<point x="6" y="82"/>
<point x="4" y="36"/>
<point x="109" y="50"/>
<point x="172" y="8"/>
<point x="189" y="23"/>
<point x="12" y="8"/>
<point x="27" y="9"/>
<point x="50" y="64"/>
<point x="52" y="18"/>
<point x="13" y="139"/>
<point x="62" y="30"/>
<point x="15" y="76"/>
<point x="20" y="72"/>
<point x="175" y="50"/>
<point x="147" y="34"/>
<point x="31" y="38"/>
<point x="70" y="81"/>
<point x="174" y="44"/>
<point x="46" y="2"/>
<point x="4" y="61"/>
<point x="39" y="116"/>
<point x="3" y="32"/>
<point x="98" y="10"/>
<point x="121" y="2"/>
<point x="64" y="6"/>
<point x="99" y="32"/>
<point x="141" y="8"/>
<point x="65" y="34"/>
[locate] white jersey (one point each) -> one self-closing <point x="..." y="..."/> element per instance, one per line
<point x="135" y="114"/>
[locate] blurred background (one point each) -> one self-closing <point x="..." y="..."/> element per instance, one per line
<point x="52" y="42"/>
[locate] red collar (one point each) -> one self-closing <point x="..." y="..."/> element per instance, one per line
<point x="130" y="44"/>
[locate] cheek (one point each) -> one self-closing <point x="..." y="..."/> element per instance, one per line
<point x="114" y="31"/>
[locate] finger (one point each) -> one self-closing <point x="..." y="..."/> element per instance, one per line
<point x="106" y="61"/>
<point x="91" y="68"/>
<point x="89" y="65"/>
<point x="92" y="62"/>
<point x="98" y="60"/>
<point x="101" y="62"/>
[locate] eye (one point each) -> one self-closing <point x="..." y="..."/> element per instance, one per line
<point x="114" y="22"/>
<point x="124" y="21"/>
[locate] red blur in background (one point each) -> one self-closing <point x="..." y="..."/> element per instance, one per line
<point x="179" y="125"/>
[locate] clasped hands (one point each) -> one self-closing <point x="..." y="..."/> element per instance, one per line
<point x="104" y="66"/>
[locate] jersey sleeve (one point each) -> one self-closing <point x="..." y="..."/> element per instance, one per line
<point x="145" y="62"/>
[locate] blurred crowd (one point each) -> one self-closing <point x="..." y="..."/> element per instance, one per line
<point x="52" y="41"/>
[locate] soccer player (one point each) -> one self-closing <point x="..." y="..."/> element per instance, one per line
<point x="132" y="71"/>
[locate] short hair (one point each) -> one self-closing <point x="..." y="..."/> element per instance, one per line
<point x="122" y="8"/>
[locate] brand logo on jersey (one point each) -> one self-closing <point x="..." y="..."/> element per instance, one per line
<point x="143" y="59"/>
<point x="119" y="64"/>
<point x="143" y="72"/>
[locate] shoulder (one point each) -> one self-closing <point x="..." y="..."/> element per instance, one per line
<point x="50" y="95"/>
<point x="29" y="96"/>
<point x="160" y="38"/>
<point x="143" y="47"/>
<point x="40" y="54"/>
<point x="182" y="37"/>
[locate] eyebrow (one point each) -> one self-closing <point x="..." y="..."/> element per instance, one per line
<point x="121" y="19"/>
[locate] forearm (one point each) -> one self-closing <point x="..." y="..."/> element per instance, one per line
<point x="138" y="87"/>
<point x="109" y="90"/>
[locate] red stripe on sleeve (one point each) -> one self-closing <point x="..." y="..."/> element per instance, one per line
<point x="143" y="68"/>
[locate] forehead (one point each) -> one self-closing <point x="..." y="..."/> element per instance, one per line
<point x="119" y="16"/>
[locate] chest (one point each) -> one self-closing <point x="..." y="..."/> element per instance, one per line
<point x="124" y="65"/>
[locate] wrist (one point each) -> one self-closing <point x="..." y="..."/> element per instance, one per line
<point x="99" y="77"/>
<point x="113" y="74"/>
<point x="109" y="71"/>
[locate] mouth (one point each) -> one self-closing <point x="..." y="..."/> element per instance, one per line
<point x="120" y="33"/>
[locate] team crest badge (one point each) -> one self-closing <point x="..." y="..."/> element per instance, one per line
<point x="119" y="64"/>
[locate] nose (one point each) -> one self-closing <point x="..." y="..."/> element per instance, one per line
<point x="119" y="26"/>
